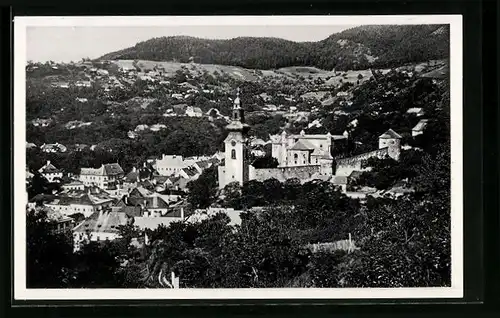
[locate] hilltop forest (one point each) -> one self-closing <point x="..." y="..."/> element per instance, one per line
<point x="357" y="48"/>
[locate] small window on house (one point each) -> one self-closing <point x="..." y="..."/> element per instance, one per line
<point x="233" y="154"/>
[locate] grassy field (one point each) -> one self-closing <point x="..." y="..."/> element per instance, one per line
<point x="330" y="78"/>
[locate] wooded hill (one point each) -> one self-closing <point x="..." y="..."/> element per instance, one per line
<point x="356" y="48"/>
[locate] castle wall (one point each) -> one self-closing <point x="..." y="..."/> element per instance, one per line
<point x="282" y="174"/>
<point x="347" y="165"/>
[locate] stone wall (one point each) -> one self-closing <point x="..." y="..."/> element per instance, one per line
<point x="347" y="165"/>
<point x="282" y="174"/>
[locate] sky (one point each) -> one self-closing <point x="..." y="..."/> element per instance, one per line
<point x="65" y="44"/>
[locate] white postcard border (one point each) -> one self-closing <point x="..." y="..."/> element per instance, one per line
<point x="20" y="195"/>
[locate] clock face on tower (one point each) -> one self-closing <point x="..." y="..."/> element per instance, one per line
<point x="233" y="143"/>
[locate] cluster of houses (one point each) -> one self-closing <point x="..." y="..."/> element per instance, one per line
<point x="420" y="126"/>
<point x="97" y="201"/>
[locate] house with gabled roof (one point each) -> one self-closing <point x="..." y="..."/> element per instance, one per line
<point x="136" y="175"/>
<point x="189" y="173"/>
<point x="100" y="226"/>
<point x="170" y="165"/>
<point x="41" y="122"/>
<point x="180" y="184"/>
<point x="417" y="111"/>
<point x="58" y="222"/>
<point x="85" y="204"/>
<point x="105" y="176"/>
<point x="50" y="172"/>
<point x="140" y="192"/>
<point x="419" y="128"/>
<point x="194" y="111"/>
<point x="74" y="185"/>
<point x="57" y="147"/>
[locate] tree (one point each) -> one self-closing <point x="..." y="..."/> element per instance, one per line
<point x="49" y="254"/>
<point x="232" y="195"/>
<point x="202" y="191"/>
<point x="264" y="252"/>
<point x="265" y="162"/>
<point x="96" y="266"/>
<point x="411" y="249"/>
<point x="40" y="185"/>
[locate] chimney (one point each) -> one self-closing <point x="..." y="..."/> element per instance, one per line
<point x="133" y="169"/>
<point x="144" y="164"/>
<point x="182" y="213"/>
<point x="48" y="162"/>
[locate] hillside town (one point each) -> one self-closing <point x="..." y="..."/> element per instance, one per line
<point x="202" y="168"/>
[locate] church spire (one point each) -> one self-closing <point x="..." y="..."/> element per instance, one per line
<point x="237" y="104"/>
<point x="238" y="115"/>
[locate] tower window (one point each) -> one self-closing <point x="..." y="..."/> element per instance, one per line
<point x="233" y="154"/>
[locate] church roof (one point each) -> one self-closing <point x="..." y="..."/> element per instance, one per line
<point x="321" y="153"/>
<point x="390" y="134"/>
<point x="303" y="145"/>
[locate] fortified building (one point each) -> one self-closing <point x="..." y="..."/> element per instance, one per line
<point x="302" y="156"/>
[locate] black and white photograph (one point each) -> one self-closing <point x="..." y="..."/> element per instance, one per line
<point x="238" y="157"/>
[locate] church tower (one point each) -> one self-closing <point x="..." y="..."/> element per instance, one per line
<point x="236" y="148"/>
